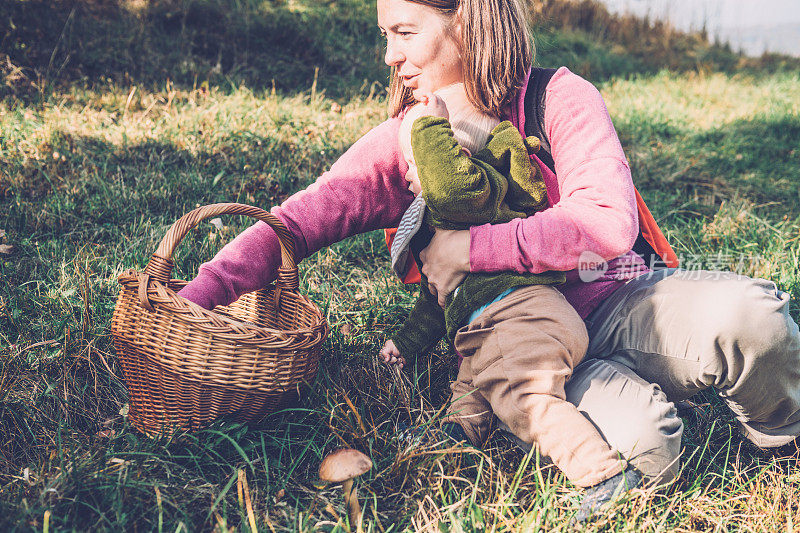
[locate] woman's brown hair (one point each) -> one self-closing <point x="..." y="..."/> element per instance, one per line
<point x="496" y="51"/>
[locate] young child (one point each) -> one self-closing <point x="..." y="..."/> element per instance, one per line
<point x="519" y="337"/>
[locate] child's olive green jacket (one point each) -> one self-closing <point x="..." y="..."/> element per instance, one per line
<point x="497" y="184"/>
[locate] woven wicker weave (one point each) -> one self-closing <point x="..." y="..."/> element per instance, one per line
<point x="185" y="366"/>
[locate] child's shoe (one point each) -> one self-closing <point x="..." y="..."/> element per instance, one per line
<point x="605" y="491"/>
<point x="427" y="435"/>
<point x="455" y="432"/>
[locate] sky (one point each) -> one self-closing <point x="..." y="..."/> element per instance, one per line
<point x="749" y="24"/>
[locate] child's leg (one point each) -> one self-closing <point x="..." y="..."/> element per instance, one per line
<point x="468" y="408"/>
<point x="521" y="351"/>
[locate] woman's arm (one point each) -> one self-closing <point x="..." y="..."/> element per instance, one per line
<point x="595" y="209"/>
<point x="364" y="190"/>
<point x="594" y="205"/>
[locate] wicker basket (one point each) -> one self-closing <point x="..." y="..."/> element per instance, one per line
<point x="185" y="366"/>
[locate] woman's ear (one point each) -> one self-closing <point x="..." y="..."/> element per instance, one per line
<point x="457" y="18"/>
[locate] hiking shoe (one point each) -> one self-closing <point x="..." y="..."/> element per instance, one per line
<point x="427" y="435"/>
<point x="604" y="492"/>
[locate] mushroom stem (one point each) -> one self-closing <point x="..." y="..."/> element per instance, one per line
<point x="351" y="502"/>
<point x="342" y="466"/>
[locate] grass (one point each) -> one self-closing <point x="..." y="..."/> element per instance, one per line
<point x="96" y="169"/>
<point x="264" y="43"/>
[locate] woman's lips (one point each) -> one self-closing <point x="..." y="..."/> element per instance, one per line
<point x="407" y="80"/>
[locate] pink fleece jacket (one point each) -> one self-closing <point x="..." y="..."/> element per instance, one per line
<point x="593" y="207"/>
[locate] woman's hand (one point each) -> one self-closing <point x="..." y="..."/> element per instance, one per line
<point x="391" y="355"/>
<point x="445" y="262"/>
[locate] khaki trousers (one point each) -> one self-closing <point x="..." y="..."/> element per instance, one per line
<point x="666" y="335"/>
<point x="518" y="355"/>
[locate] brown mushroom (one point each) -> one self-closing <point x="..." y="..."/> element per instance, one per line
<point x="342" y="466"/>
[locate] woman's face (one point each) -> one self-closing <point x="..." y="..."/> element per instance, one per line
<point x="422" y="44"/>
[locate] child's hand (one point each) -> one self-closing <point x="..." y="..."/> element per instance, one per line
<point x="432" y="105"/>
<point x="391" y="355"/>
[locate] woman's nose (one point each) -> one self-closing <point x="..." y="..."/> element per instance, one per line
<point x="393" y="55"/>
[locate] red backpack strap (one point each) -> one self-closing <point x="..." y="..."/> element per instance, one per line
<point x="651" y="233"/>
<point x="412" y="272"/>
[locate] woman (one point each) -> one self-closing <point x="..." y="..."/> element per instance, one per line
<point x="655" y="337"/>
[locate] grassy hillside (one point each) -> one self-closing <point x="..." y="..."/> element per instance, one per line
<point x="107" y="136"/>
<point x="46" y="45"/>
<point x="262" y="44"/>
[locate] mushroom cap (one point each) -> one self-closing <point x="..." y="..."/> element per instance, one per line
<point x="343" y="464"/>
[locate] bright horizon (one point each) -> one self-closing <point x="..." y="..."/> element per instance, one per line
<point x="726" y="19"/>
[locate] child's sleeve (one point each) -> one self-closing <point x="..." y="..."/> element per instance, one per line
<point x="508" y="153"/>
<point x="459" y="190"/>
<point x="423" y="328"/>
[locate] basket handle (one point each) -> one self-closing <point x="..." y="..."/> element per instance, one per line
<point x="160" y="266"/>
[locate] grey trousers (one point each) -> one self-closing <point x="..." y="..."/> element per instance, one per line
<point x="666" y="335"/>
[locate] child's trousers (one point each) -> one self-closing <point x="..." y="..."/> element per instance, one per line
<point x="518" y="355"/>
